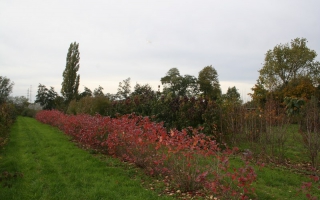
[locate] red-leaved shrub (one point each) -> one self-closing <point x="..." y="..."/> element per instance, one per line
<point x="188" y="158"/>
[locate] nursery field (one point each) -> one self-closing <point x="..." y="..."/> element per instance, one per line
<point x="41" y="162"/>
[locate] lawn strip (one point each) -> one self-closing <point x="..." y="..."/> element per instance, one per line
<point x="55" y="168"/>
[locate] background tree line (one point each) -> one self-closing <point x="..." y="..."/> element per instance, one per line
<point x="289" y="74"/>
<point x="287" y="91"/>
<point x="7" y="109"/>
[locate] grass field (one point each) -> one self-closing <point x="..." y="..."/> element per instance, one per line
<point x="55" y="168"/>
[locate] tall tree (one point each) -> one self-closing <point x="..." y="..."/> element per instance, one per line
<point x="209" y="83"/>
<point x="286" y="62"/>
<point x="5" y="88"/>
<point x="124" y="89"/>
<point x="85" y="93"/>
<point x="189" y="86"/>
<point x="71" y="79"/>
<point x="172" y="81"/>
<point x="51" y="98"/>
<point x="179" y="85"/>
<point x="143" y="90"/>
<point x="98" y="92"/>
<point x="289" y="70"/>
<point x="19" y="101"/>
<point x="259" y="95"/>
<point x="46" y="97"/>
<point x="42" y="94"/>
<point x="232" y="95"/>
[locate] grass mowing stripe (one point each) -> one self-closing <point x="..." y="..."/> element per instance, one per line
<point x="55" y="168"/>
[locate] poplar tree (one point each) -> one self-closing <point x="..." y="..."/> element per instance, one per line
<point x="71" y="79"/>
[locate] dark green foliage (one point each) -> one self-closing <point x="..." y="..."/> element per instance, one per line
<point x="293" y="106"/>
<point x="47" y="98"/>
<point x="7" y="117"/>
<point x="176" y="112"/>
<point x="7" y="110"/>
<point x="144" y="90"/>
<point x="171" y="81"/>
<point x="189" y="86"/>
<point x="5" y="88"/>
<point x="21" y="106"/>
<point x="232" y="96"/>
<point x="90" y="105"/>
<point x="85" y="93"/>
<point x="209" y="83"/>
<point x="176" y="84"/>
<point x="21" y="103"/>
<point x="27" y="112"/>
<point x="98" y="92"/>
<point x="71" y="79"/>
<point x="124" y="89"/>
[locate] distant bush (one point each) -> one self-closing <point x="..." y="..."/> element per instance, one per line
<point x="89" y="105"/>
<point x="27" y="112"/>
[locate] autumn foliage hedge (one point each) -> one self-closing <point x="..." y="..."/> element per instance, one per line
<point x="188" y="159"/>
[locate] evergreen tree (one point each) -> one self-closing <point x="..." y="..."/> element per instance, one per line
<point x="71" y="79"/>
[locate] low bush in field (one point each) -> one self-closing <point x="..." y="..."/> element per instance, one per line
<point x="188" y="158"/>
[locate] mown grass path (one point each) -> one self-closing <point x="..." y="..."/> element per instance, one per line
<point x="55" y="168"/>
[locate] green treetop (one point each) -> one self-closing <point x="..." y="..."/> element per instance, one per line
<point x="71" y="79"/>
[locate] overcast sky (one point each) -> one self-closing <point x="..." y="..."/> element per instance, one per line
<point x="144" y="39"/>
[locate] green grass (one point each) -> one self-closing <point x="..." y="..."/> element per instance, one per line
<point x="280" y="181"/>
<point x="275" y="182"/>
<point x="55" y="168"/>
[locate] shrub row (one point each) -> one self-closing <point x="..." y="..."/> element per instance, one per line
<point x="266" y="130"/>
<point x="7" y="117"/>
<point x="188" y="159"/>
<point x="176" y="112"/>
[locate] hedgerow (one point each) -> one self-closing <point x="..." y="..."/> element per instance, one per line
<point x="7" y="118"/>
<point x="189" y="159"/>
